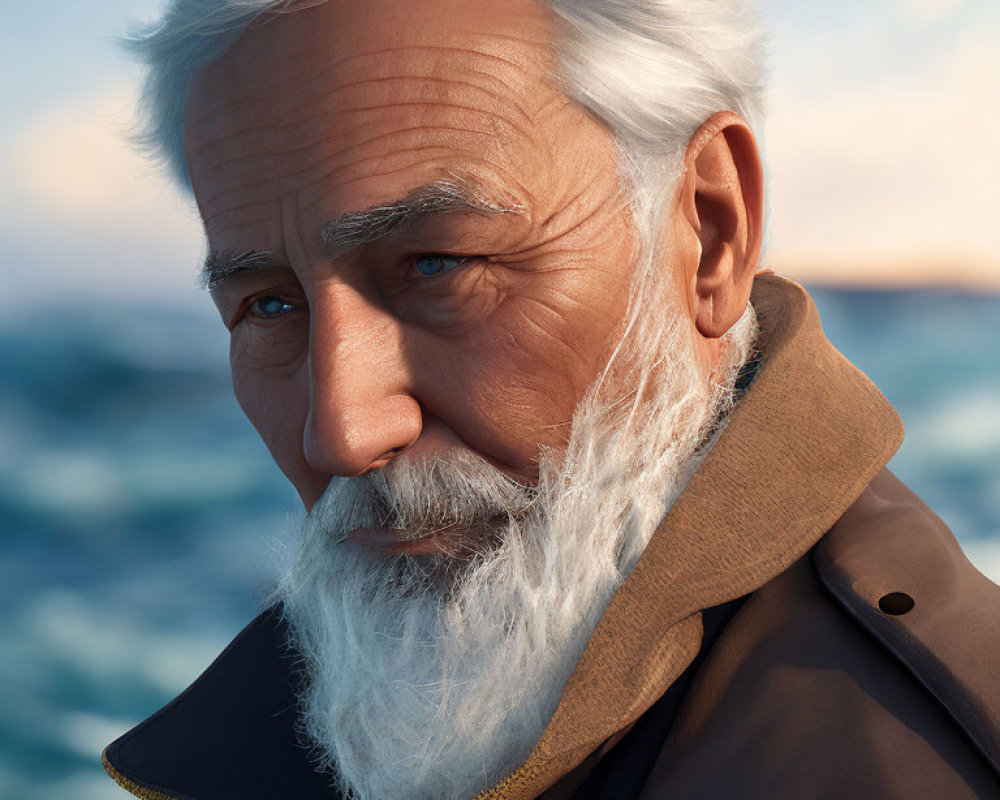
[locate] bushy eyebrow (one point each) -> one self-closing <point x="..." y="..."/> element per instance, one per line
<point x="355" y="228"/>
<point x="221" y="265"/>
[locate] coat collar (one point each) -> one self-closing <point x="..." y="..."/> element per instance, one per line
<point x="800" y="447"/>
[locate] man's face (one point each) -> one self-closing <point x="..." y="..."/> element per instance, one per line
<point x="474" y="328"/>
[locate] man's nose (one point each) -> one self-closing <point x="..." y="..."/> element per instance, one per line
<point x="361" y="409"/>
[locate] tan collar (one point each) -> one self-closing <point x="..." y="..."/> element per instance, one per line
<point x="801" y="446"/>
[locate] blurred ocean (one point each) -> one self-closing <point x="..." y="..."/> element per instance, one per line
<point x="139" y="507"/>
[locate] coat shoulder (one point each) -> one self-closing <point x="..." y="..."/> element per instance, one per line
<point x="814" y="691"/>
<point x="897" y="569"/>
<point x="230" y="734"/>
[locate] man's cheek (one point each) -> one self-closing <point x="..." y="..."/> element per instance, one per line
<point x="508" y="404"/>
<point x="278" y="410"/>
<point x="275" y="351"/>
<point x="557" y="339"/>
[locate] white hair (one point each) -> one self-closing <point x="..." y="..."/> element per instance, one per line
<point x="652" y="71"/>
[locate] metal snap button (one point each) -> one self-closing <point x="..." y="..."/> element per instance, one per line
<point x="895" y="604"/>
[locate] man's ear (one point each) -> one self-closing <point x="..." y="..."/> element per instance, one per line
<point x="722" y="200"/>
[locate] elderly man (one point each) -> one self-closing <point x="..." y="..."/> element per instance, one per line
<point x="594" y="510"/>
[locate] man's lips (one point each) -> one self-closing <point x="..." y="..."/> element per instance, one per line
<point x="457" y="540"/>
<point x="398" y="542"/>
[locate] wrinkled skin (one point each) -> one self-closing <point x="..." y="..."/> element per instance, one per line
<point x="343" y="360"/>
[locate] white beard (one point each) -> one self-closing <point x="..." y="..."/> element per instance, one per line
<point x="433" y="677"/>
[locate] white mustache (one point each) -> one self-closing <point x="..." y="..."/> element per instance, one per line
<point x="461" y="495"/>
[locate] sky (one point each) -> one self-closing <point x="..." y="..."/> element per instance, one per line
<point x="880" y="148"/>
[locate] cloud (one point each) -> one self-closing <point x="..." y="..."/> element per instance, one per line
<point x="74" y="160"/>
<point x="893" y="180"/>
<point x="928" y="12"/>
<point x="83" y="211"/>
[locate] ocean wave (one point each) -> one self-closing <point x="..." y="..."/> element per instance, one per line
<point x="140" y="506"/>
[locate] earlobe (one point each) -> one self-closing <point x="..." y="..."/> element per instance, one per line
<point x="723" y="202"/>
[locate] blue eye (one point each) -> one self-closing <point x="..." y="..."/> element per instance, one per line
<point x="433" y="265"/>
<point x="270" y="306"/>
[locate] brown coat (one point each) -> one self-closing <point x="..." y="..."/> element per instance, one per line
<point x="825" y="684"/>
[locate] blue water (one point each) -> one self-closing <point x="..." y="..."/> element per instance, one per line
<point x="139" y="508"/>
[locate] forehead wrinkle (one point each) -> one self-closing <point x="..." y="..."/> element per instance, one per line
<point x="495" y="127"/>
<point x="385" y="72"/>
<point x="287" y="89"/>
<point x="381" y="65"/>
<point x="226" y="141"/>
<point x="220" y="219"/>
<point x="447" y="147"/>
<point x="408" y="132"/>
<point x="207" y="203"/>
<point x="309" y="171"/>
<point x="497" y="119"/>
<point x="503" y="93"/>
<point x="503" y="178"/>
<point x="484" y="39"/>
